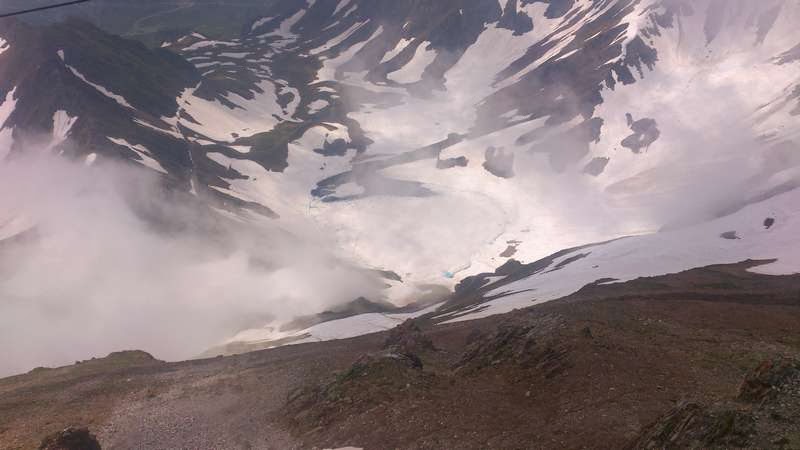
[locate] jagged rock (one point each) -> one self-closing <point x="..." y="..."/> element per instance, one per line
<point x="408" y="338"/>
<point x="770" y="375"/>
<point x="765" y="415"/>
<point x="690" y="425"/>
<point x="371" y="380"/>
<point x="516" y="344"/>
<point x="70" y="439"/>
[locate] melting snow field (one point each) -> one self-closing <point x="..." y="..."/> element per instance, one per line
<point x="335" y="329"/>
<point x="221" y="123"/>
<point x="735" y="238"/>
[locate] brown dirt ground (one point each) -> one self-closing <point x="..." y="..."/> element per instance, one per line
<point x="626" y="354"/>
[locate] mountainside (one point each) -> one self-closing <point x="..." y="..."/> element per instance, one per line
<point x="451" y="143"/>
<point x="707" y="359"/>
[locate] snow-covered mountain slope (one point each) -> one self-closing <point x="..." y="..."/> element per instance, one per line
<point x="406" y="107"/>
<point x="441" y="139"/>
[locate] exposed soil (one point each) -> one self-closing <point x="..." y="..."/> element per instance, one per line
<point x="703" y="359"/>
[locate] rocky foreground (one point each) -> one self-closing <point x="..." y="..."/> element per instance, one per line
<point x="708" y="358"/>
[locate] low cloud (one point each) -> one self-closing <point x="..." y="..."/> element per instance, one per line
<point x="112" y="261"/>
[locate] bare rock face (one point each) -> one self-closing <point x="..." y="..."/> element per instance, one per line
<point x="70" y="439"/>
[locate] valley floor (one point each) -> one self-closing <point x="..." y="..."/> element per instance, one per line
<point x="608" y="367"/>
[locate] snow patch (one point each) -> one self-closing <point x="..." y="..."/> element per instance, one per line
<point x="6" y="134"/>
<point x="335" y="329"/>
<point x="338" y="39"/>
<point x="211" y="43"/>
<point x="146" y="158"/>
<point x="342" y="4"/>
<point x="401" y="45"/>
<point x="117" y="98"/>
<point x="4" y="46"/>
<point x="316" y="106"/>
<point x="62" y="124"/>
<point x="413" y="70"/>
<point x="665" y="253"/>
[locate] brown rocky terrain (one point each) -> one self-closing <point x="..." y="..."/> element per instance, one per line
<point x="703" y="359"/>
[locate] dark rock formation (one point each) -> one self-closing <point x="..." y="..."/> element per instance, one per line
<point x="763" y="416"/>
<point x="518" y="344"/>
<point x="645" y="132"/>
<point x="449" y="163"/>
<point x="767" y="378"/>
<point x="70" y="439"/>
<point x="690" y="425"/>
<point x="407" y="338"/>
<point x="596" y="166"/>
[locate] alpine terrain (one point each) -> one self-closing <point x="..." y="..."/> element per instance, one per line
<point x="400" y="224"/>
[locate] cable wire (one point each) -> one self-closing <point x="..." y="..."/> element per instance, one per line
<point x="42" y="8"/>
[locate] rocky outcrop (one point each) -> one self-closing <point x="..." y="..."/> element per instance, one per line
<point x="71" y="439"/>
<point x="373" y="379"/>
<point x="690" y="425"/>
<point x="766" y="380"/>
<point x="645" y="132"/>
<point x="764" y="415"/>
<point x="518" y="344"/>
<point x="596" y="166"/>
<point x="407" y="338"/>
<point x="449" y="163"/>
